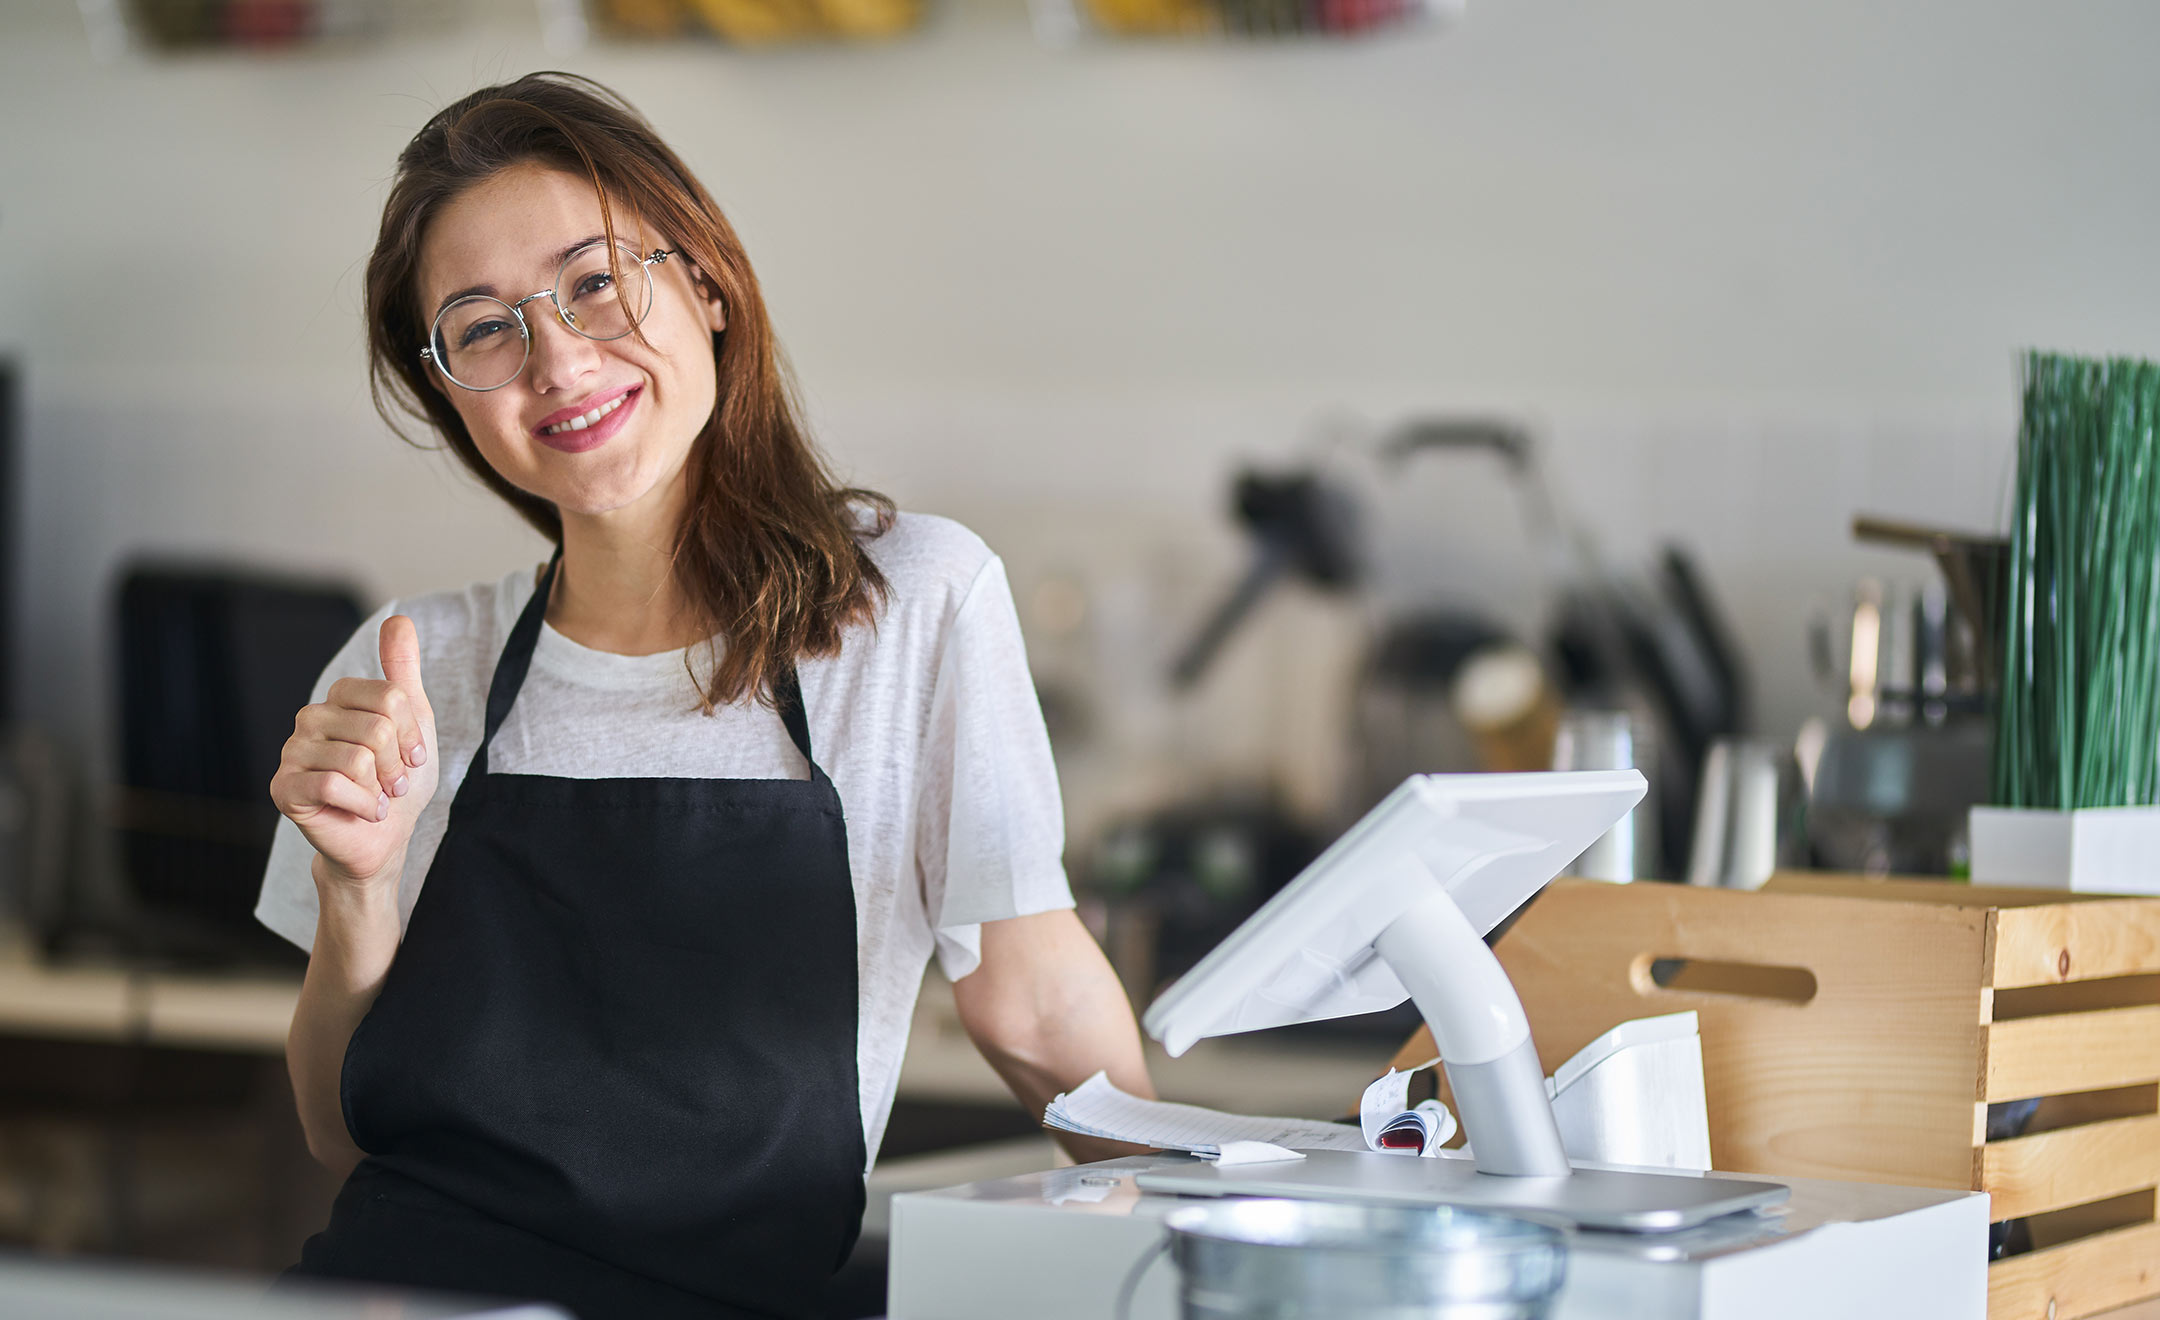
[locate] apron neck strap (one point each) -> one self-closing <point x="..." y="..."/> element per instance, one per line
<point x="787" y="696"/>
<point x="516" y="661"/>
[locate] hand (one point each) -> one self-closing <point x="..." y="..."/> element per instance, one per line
<point x="361" y="764"/>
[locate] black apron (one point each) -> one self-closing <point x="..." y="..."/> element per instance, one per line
<point x="613" y="1066"/>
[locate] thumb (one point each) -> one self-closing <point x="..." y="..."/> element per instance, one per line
<point x="401" y="656"/>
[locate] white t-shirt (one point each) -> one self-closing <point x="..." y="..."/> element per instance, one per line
<point x="927" y="723"/>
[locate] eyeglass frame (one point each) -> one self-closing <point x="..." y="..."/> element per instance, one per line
<point x="517" y="309"/>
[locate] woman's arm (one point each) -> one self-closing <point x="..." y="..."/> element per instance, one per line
<point x="354" y="776"/>
<point x="1048" y="1013"/>
<point x="356" y="937"/>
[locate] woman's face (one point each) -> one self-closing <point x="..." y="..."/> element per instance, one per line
<point x="506" y="237"/>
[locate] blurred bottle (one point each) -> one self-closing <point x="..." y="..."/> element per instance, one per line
<point x="1748" y="814"/>
<point x="1504" y="699"/>
<point x="1591" y="739"/>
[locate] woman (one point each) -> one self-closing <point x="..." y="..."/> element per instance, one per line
<point x="694" y="802"/>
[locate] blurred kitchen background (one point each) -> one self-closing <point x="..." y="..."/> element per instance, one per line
<point x="1428" y="384"/>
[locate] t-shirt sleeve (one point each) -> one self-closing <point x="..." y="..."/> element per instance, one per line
<point x="990" y="827"/>
<point x="287" y="903"/>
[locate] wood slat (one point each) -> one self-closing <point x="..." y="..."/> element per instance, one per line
<point x="2077" y="1279"/>
<point x="1942" y="893"/>
<point x="1930" y="889"/>
<point x="2076" y="941"/>
<point x="2070" y="1052"/>
<point x="2032" y="1175"/>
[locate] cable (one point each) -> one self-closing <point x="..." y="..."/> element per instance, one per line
<point x="1131" y="1287"/>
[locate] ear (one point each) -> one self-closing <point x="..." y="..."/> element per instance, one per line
<point x="709" y="294"/>
<point x="440" y="382"/>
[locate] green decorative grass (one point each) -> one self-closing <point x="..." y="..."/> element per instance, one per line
<point x="2079" y="722"/>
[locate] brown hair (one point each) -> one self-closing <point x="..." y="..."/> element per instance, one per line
<point x="770" y="552"/>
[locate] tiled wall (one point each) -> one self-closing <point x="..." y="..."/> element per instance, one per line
<point x="1747" y="270"/>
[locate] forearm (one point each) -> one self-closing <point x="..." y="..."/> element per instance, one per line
<point x="1047" y="1013"/>
<point x="356" y="938"/>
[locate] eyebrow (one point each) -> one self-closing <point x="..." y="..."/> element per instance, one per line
<point x="488" y="290"/>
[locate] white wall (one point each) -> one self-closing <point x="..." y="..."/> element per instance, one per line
<point x="1750" y="266"/>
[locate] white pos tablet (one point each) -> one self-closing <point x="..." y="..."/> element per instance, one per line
<point x="1490" y="842"/>
<point x="1398" y="909"/>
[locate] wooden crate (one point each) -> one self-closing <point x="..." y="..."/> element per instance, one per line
<point x="1859" y="1029"/>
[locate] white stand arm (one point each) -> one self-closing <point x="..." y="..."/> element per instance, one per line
<point x="1477" y="1020"/>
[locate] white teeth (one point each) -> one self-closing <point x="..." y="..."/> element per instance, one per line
<point x="589" y="419"/>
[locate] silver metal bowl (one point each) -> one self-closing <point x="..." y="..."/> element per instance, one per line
<point x="1304" y="1260"/>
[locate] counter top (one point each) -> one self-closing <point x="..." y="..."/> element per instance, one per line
<point x="1062" y="1244"/>
<point x="244" y="1012"/>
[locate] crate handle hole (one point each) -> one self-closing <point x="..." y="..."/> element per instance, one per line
<point x="1710" y="976"/>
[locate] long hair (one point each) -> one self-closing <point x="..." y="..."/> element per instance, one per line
<point x="770" y="551"/>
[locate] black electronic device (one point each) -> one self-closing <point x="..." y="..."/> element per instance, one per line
<point x="1300" y="526"/>
<point x="213" y="665"/>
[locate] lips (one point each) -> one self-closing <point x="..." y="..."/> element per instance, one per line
<point x="589" y="424"/>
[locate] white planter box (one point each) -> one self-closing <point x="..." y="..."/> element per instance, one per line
<point x="2093" y="850"/>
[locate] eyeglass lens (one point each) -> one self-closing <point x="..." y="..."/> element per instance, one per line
<point x="481" y="344"/>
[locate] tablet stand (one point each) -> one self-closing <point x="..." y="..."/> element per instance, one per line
<point x="1483" y="1035"/>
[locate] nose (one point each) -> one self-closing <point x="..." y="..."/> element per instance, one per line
<point x="560" y="356"/>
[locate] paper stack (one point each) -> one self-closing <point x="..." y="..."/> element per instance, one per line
<point x="1632" y="1096"/>
<point x="1099" y="1109"/>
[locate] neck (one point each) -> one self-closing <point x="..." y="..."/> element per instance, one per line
<point x="616" y="589"/>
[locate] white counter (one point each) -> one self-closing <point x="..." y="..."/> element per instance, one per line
<point x="1057" y="1245"/>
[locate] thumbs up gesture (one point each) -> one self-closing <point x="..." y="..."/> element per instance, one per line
<point x="361" y="764"/>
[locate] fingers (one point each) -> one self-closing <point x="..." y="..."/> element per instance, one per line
<point x="400" y="643"/>
<point x="302" y="794"/>
<point x="358" y="743"/>
<point x="352" y="752"/>
<point x="381" y="697"/>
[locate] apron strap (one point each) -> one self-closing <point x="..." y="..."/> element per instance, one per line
<point x="516" y="661"/>
<point x="787" y="696"/>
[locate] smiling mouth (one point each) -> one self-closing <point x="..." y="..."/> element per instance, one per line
<point x="592" y="418"/>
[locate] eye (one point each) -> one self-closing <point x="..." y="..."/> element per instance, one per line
<point x="597" y="282"/>
<point x="481" y="332"/>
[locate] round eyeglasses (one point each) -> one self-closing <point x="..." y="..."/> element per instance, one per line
<point x="602" y="292"/>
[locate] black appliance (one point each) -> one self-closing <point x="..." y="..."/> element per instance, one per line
<point x="214" y="663"/>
